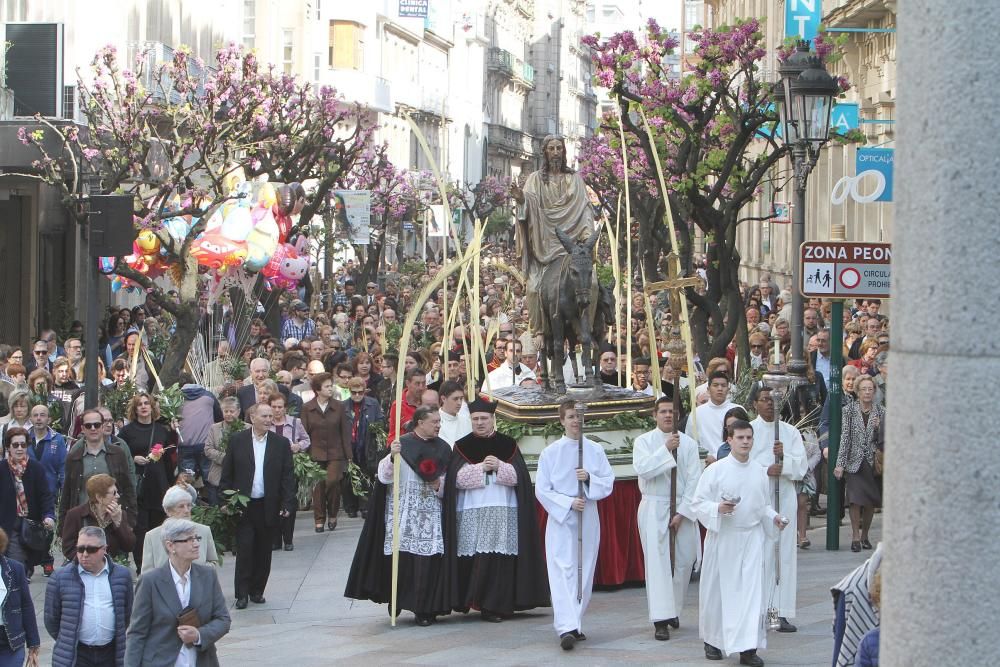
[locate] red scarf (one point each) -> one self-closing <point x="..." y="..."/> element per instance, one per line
<point x="18" y="472"/>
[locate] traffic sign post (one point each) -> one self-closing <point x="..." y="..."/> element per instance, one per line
<point x="842" y="270"/>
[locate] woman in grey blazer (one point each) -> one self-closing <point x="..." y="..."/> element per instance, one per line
<point x="178" y="607"/>
<point x="177" y="505"/>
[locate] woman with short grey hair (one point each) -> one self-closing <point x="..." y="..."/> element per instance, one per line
<point x="177" y="505"/>
<point x="189" y="614"/>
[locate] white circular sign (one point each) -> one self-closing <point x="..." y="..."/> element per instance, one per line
<point x="850" y="278"/>
<point x="849" y="186"/>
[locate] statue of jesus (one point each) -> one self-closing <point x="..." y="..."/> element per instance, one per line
<point x="554" y="197"/>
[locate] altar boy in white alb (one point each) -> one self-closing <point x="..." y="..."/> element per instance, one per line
<point x="653" y="457"/>
<point x="732" y="502"/>
<point x="557" y="489"/>
<point x="792" y="469"/>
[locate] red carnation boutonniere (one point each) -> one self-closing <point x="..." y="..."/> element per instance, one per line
<point x="428" y="467"/>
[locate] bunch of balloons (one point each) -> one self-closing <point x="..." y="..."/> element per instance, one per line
<point x="247" y="232"/>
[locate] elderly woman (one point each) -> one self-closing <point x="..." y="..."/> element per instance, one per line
<point x="18" y="626"/>
<point x="179" y="612"/>
<point x="866" y="364"/>
<point x="20" y="408"/>
<point x="177" y="505"/>
<point x="24" y="496"/>
<point x="103" y="510"/>
<point x="860" y="446"/>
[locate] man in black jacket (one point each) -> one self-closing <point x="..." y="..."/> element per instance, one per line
<point x="258" y="465"/>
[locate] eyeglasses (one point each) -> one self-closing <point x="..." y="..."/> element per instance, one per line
<point x="19" y="445"/>
<point x="357" y="393"/>
<point x="196" y="538"/>
<point x="86" y="548"/>
<point x="756" y="347"/>
<point x="92" y="425"/>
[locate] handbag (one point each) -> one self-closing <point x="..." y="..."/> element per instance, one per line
<point x="35" y="536"/>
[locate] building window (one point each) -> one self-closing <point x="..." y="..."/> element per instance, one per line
<point x="317" y="60"/>
<point x="249" y="23"/>
<point x="319" y="9"/>
<point x="286" y="50"/>
<point x="347" y="47"/>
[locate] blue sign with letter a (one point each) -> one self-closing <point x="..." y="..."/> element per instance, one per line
<point x="802" y="18"/>
<point x="844" y="117"/>
<point x="880" y="160"/>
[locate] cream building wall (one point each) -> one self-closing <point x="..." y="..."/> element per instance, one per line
<point x="869" y="61"/>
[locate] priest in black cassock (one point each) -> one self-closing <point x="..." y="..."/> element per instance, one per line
<point x="495" y="558"/>
<point x="422" y="574"/>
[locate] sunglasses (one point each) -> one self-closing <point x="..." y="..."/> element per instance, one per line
<point x="357" y="393"/>
<point x="92" y="425"/>
<point x="18" y="445"/>
<point x="88" y="549"/>
<point x="41" y="351"/>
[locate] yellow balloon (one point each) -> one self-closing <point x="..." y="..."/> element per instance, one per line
<point x="148" y="242"/>
<point x="267" y="196"/>
<point x="233" y="179"/>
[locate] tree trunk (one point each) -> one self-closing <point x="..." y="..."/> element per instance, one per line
<point x="180" y="343"/>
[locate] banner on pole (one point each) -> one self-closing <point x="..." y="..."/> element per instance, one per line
<point x="353" y="213"/>
<point x="436" y="224"/>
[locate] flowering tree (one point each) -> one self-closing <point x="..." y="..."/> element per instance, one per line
<point x="177" y="137"/>
<point x="480" y="200"/>
<point x="712" y="134"/>
<point x="601" y="167"/>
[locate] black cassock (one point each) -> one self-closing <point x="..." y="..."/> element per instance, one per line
<point x="494" y="582"/>
<point x="421" y="579"/>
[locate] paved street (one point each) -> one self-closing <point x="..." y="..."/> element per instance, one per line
<point x="308" y="623"/>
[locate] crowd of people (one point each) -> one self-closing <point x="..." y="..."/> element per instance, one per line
<point x="117" y="483"/>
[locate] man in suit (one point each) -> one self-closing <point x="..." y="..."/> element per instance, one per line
<point x="260" y="371"/>
<point x="258" y="465"/>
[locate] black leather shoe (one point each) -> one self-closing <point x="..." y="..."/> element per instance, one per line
<point x="674" y="622"/>
<point x="241" y="602"/>
<point x="490" y="617"/>
<point x="320" y="528"/>
<point x="566" y="641"/>
<point x="712" y="653"/>
<point x="751" y="658"/>
<point x="580" y="637"/>
<point x="258" y="599"/>
<point x="662" y="631"/>
<point x="785" y="626"/>
<point x="865" y="544"/>
<point x="289" y="547"/>
<point x="855" y="547"/>
<point x="423" y="620"/>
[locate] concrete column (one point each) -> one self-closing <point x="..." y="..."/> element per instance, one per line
<point x="942" y="506"/>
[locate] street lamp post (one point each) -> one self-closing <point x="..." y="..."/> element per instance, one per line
<point x="805" y="104"/>
<point x="805" y="99"/>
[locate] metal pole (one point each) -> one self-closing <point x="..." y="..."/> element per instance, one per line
<point x="797" y="363"/>
<point x="833" y="433"/>
<point x="90" y="332"/>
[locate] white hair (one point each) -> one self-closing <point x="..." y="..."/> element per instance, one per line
<point x="174" y="496"/>
<point x="177" y="529"/>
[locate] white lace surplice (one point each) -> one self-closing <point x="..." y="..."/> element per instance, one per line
<point x="420" y="531"/>
<point x="487" y="520"/>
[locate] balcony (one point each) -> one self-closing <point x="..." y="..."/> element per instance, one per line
<point x="500" y="61"/>
<point x="526" y="76"/>
<point x="510" y="142"/>
<point x="365" y="89"/>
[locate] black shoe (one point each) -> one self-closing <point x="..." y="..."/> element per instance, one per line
<point x="785" y="626"/>
<point x="662" y="631"/>
<point x="855" y="546"/>
<point x="712" y="653"/>
<point x="289" y="547"/>
<point x="258" y="599"/>
<point x="241" y="602"/>
<point x="352" y="515"/>
<point x="674" y="622"/>
<point x="330" y="525"/>
<point x="490" y="617"/>
<point x="580" y="637"/>
<point x="423" y="620"/>
<point x="751" y="658"/>
<point x="566" y="641"/>
<point x="865" y="544"/>
<point x="320" y="528"/>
